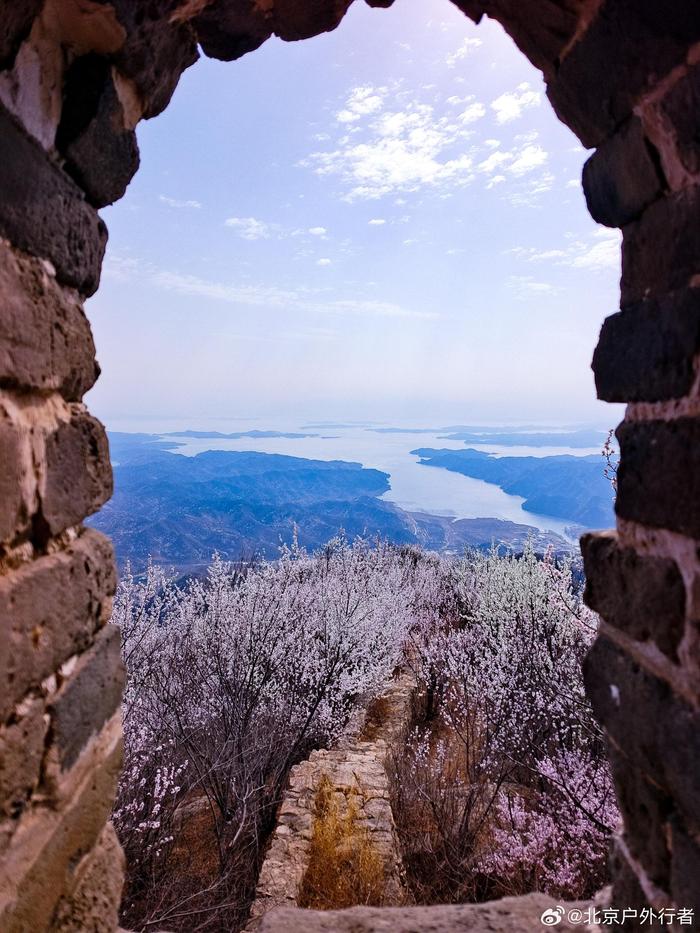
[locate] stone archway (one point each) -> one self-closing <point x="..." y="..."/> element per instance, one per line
<point x="75" y="78"/>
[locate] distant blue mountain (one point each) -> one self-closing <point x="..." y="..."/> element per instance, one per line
<point x="180" y="509"/>
<point x="568" y="487"/>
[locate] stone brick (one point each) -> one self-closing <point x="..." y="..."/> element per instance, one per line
<point x="49" y="610"/>
<point x="78" y="476"/>
<point x="43" y="212"/>
<point x="158" y="48"/>
<point x="646" y="811"/>
<point x="659" y="474"/>
<point x="621" y="178"/>
<point x="661" y="250"/>
<point x="541" y="28"/>
<point x="40" y="865"/>
<point x="21" y="754"/>
<point x="642" y="596"/>
<point x="657" y="731"/>
<point x="89" y="697"/>
<point x="509" y="915"/>
<point x="94" y="902"/>
<point x="13" y="510"/>
<point x="681" y="108"/>
<point x="45" y="338"/>
<point x="685" y="879"/>
<point x="610" y="67"/>
<point x="626" y="891"/>
<point x="646" y="352"/>
<point x="16" y="17"/>
<point x="101" y="154"/>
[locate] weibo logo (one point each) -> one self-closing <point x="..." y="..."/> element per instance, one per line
<point x="552" y="916"/>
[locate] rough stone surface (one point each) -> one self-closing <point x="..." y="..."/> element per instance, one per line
<point x="91" y="694"/>
<point x="227" y="31"/>
<point x="608" y="69"/>
<point x="647" y="351"/>
<point x="661" y="251"/>
<point x="94" y="902"/>
<point x="356" y="770"/>
<point x="13" y="509"/>
<point x="16" y="17"/>
<point x="643" y="596"/>
<point x="622" y="178"/>
<point x="658" y="731"/>
<point x="510" y="915"/>
<point x="158" y="48"/>
<point x="685" y="880"/>
<point x="542" y="29"/>
<point x="681" y="110"/>
<point x="659" y="474"/>
<point x="626" y="891"/>
<point x="21" y="754"/>
<point x="50" y="609"/>
<point x="101" y="153"/>
<point x="46" y="851"/>
<point x="646" y="809"/>
<point x="44" y="212"/>
<point x="78" y="476"/>
<point x="45" y="338"/>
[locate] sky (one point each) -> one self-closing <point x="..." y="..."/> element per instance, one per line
<point x="383" y="222"/>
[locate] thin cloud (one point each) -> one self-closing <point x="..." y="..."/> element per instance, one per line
<point x="273" y="298"/>
<point x="510" y="106"/>
<point x="174" y="202"/>
<point x="467" y="47"/>
<point x="250" y="228"/>
<point x="599" y="253"/>
<point x="376" y="222"/>
<point x="361" y="101"/>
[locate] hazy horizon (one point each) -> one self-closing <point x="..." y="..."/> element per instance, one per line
<point x="382" y="223"/>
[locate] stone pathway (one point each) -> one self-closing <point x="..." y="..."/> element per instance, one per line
<point x="355" y="768"/>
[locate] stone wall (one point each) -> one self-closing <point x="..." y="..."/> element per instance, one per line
<point x="356" y="770"/>
<point x="76" y="76"/>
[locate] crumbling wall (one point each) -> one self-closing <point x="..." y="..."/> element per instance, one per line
<point x="76" y="76"/>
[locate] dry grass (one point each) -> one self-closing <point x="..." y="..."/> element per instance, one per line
<point x="378" y="713"/>
<point x="344" y="867"/>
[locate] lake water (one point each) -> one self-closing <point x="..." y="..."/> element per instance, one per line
<point x="413" y="487"/>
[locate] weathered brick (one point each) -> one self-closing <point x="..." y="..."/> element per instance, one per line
<point x="13" y="510"/>
<point x="681" y="108"/>
<point x="644" y="596"/>
<point x="646" y="811"/>
<point x="45" y="338"/>
<point x="101" y="154"/>
<point x="659" y="474"/>
<point x="158" y="48"/>
<point x="78" y="476"/>
<point x="658" y="732"/>
<point x="646" y="352"/>
<point x="41" y="866"/>
<point x="21" y="754"/>
<point x="541" y="28"/>
<point x="49" y="610"/>
<point x="16" y="17"/>
<point x="626" y="891"/>
<point x="626" y="49"/>
<point x="89" y="697"/>
<point x="43" y="212"/>
<point x="661" y="250"/>
<point x="621" y="178"/>
<point x="685" y="877"/>
<point x="93" y="904"/>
